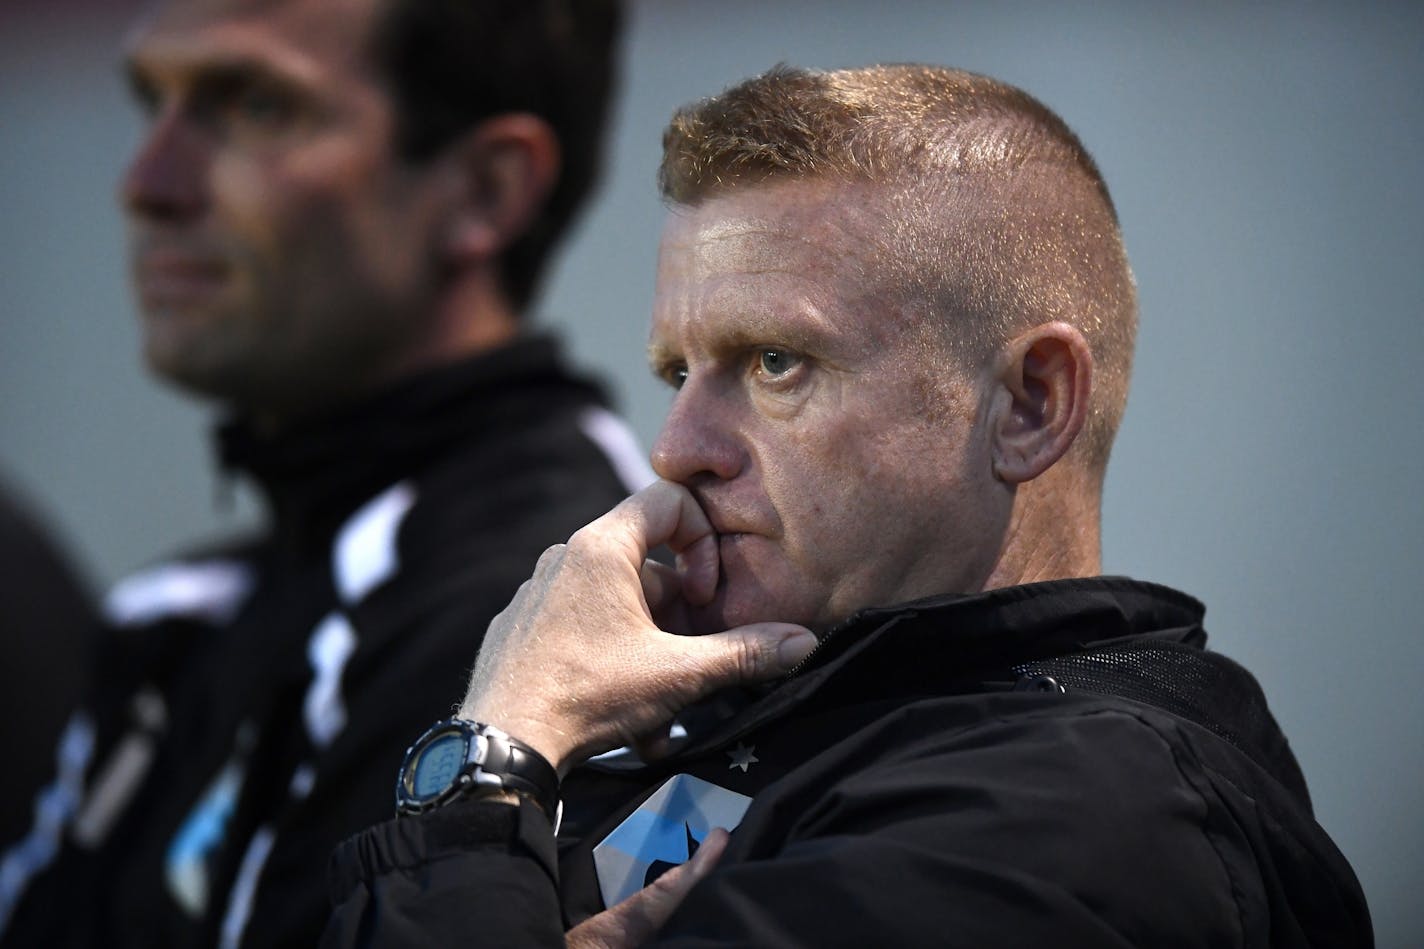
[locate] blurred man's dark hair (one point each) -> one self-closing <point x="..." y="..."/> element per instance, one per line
<point x="553" y="58"/>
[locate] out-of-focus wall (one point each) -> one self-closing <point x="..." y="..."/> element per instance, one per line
<point x="1264" y="159"/>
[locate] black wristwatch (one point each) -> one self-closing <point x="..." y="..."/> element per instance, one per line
<point x="455" y="758"/>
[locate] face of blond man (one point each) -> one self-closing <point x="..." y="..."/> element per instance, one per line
<point x="840" y="467"/>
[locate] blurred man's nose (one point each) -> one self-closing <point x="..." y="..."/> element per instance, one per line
<point x="167" y="177"/>
<point x="698" y="438"/>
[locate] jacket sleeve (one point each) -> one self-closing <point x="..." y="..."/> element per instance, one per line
<point x="471" y="872"/>
<point x="392" y="690"/>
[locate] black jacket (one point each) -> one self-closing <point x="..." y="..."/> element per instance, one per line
<point x="49" y="628"/>
<point x="256" y="701"/>
<point x="1056" y="764"/>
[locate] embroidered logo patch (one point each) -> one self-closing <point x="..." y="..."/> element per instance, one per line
<point x="663" y="833"/>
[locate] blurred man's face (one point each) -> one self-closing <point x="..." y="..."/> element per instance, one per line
<point x="840" y="463"/>
<point x="282" y="255"/>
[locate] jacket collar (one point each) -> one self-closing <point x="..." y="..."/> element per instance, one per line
<point x="316" y="473"/>
<point x="1015" y="624"/>
<point x="938" y="644"/>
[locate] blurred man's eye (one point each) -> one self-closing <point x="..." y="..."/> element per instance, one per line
<point x="264" y="106"/>
<point x="144" y="95"/>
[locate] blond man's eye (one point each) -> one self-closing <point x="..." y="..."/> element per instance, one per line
<point x="776" y="362"/>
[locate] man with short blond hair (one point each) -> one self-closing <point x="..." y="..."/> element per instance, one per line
<point x="1031" y="234"/>
<point x="895" y="309"/>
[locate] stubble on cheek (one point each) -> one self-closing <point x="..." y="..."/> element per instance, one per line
<point x="935" y="393"/>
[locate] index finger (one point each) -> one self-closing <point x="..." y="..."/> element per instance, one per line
<point x="667" y="513"/>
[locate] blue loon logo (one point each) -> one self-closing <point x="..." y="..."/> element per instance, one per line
<point x="664" y="832"/>
<point x="658" y="867"/>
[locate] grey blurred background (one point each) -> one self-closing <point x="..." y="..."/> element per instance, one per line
<point x="1265" y="159"/>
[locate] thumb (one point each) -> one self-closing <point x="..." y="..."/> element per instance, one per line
<point x="749" y="654"/>
<point x="638" y="918"/>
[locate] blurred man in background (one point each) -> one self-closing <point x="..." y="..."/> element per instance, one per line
<point x="339" y="215"/>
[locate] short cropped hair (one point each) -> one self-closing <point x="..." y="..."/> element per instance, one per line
<point x="451" y="63"/>
<point x="997" y="218"/>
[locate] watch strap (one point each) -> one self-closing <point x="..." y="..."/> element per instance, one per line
<point x="520" y="768"/>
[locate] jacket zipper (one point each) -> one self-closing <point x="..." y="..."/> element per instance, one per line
<point x="821" y="642"/>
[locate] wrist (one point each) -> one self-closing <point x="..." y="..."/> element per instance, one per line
<point x="457" y="758"/>
<point x="549" y="743"/>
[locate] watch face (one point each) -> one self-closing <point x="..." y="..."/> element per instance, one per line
<point x="437" y="765"/>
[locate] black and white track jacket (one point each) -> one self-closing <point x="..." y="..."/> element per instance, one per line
<point x="254" y="703"/>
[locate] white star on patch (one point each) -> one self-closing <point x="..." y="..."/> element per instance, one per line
<point x="742" y="757"/>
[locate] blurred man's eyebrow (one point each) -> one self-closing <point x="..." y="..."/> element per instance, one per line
<point x="213" y="76"/>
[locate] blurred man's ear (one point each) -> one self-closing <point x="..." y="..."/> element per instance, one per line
<point x="507" y="166"/>
<point x="1041" y="401"/>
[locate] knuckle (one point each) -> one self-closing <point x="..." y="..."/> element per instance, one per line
<point x="597" y="544"/>
<point x="585" y="540"/>
<point x="668" y="886"/>
<point x="749" y="656"/>
<point x="523" y="593"/>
